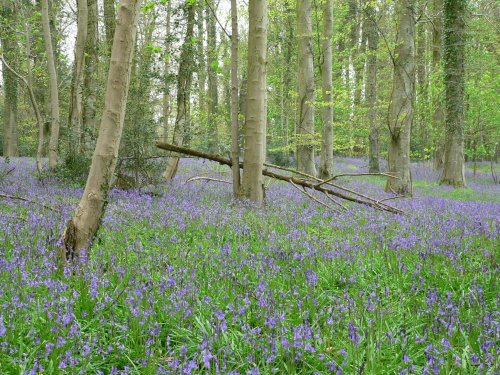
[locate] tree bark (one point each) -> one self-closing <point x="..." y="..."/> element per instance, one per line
<point x="83" y="226"/>
<point x="54" y="95"/>
<point x="76" y="110"/>
<point x="256" y="115"/>
<point x="371" y="87"/>
<point x="235" y="151"/>
<point x="326" y="163"/>
<point x="166" y="76"/>
<point x="10" y="52"/>
<point x="183" y="90"/>
<point x="305" y="128"/>
<point x="213" y="82"/>
<point x="454" y="57"/>
<point x="401" y="106"/>
<point x="109" y="22"/>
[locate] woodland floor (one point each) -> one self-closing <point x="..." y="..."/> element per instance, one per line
<point x="184" y="281"/>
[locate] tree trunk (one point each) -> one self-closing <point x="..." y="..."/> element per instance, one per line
<point x="109" y="22"/>
<point x="83" y="226"/>
<point x="166" y="76"/>
<point x="256" y="116"/>
<point x="437" y="104"/>
<point x="305" y="129"/>
<point x="454" y="57"/>
<point x="54" y="95"/>
<point x="235" y="151"/>
<point x="213" y="84"/>
<point x="183" y="89"/>
<point x="401" y="106"/>
<point x="326" y="163"/>
<point x="90" y="78"/>
<point x="10" y="52"/>
<point x="371" y="87"/>
<point x="76" y="111"/>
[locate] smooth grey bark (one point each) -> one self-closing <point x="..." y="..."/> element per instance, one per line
<point x="371" y="87"/>
<point x="256" y="115"/>
<point x="305" y="129"/>
<point x="82" y="228"/>
<point x="213" y="81"/>
<point x="401" y="105"/>
<point x="437" y="102"/>
<point x="326" y="160"/>
<point x="54" y="95"/>
<point x="454" y="71"/>
<point x="10" y="51"/>
<point x="235" y="150"/>
<point x="184" y="78"/>
<point x="166" y="76"/>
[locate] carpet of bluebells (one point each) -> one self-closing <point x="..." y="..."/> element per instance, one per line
<point x="181" y="280"/>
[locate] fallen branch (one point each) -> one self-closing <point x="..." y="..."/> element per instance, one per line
<point x="303" y="191"/>
<point x="203" y="178"/>
<point x="7" y="196"/>
<point x="356" y="198"/>
<point x="357" y="175"/>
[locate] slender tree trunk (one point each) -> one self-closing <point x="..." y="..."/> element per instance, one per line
<point x="109" y="22"/>
<point x="183" y="89"/>
<point x="76" y="110"/>
<point x="255" y="126"/>
<point x="235" y="150"/>
<point x="83" y="226"/>
<point x="10" y="52"/>
<point x="213" y="83"/>
<point x="326" y="163"/>
<point x="437" y="103"/>
<point x="371" y="87"/>
<point x="401" y="106"/>
<point x="90" y="77"/>
<point x="305" y="129"/>
<point x="54" y="95"/>
<point x="454" y="57"/>
<point x="166" y="75"/>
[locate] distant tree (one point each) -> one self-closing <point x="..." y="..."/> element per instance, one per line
<point x="454" y="57"/>
<point x="256" y="115"/>
<point x="213" y="81"/>
<point x="401" y="105"/>
<point x="235" y="151"/>
<point x="82" y="228"/>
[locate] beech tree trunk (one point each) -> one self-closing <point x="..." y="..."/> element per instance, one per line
<point x="166" y="76"/>
<point x="371" y="87"/>
<point x="437" y="102"/>
<point x="454" y="57"/>
<point x="305" y="128"/>
<point x="54" y="95"/>
<point x="183" y="90"/>
<point x="256" y="116"/>
<point x="401" y="106"/>
<point x="326" y="162"/>
<point x="83" y="226"/>
<point x="213" y="82"/>
<point x="75" y="109"/>
<point x="109" y="22"/>
<point x="10" y="52"/>
<point x="235" y="150"/>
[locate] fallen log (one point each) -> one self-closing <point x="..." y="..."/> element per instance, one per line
<point x="324" y="187"/>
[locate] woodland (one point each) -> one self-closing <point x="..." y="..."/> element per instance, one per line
<point x="249" y="187"/>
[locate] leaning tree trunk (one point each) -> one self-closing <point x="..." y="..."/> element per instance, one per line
<point x="401" y="106"/>
<point x="235" y="151"/>
<point x="371" y="87"/>
<point x="83" y="226"/>
<point x="256" y="115"/>
<point x="454" y="35"/>
<point x="305" y="129"/>
<point x="326" y="163"/>
<point x="54" y="95"/>
<point x="183" y="89"/>
<point x="11" y="51"/>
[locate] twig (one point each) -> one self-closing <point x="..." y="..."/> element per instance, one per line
<point x="27" y="200"/>
<point x="203" y="178"/>
<point x="303" y="191"/>
<point x="334" y="201"/>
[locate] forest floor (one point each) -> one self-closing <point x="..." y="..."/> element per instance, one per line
<point x="185" y="281"/>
